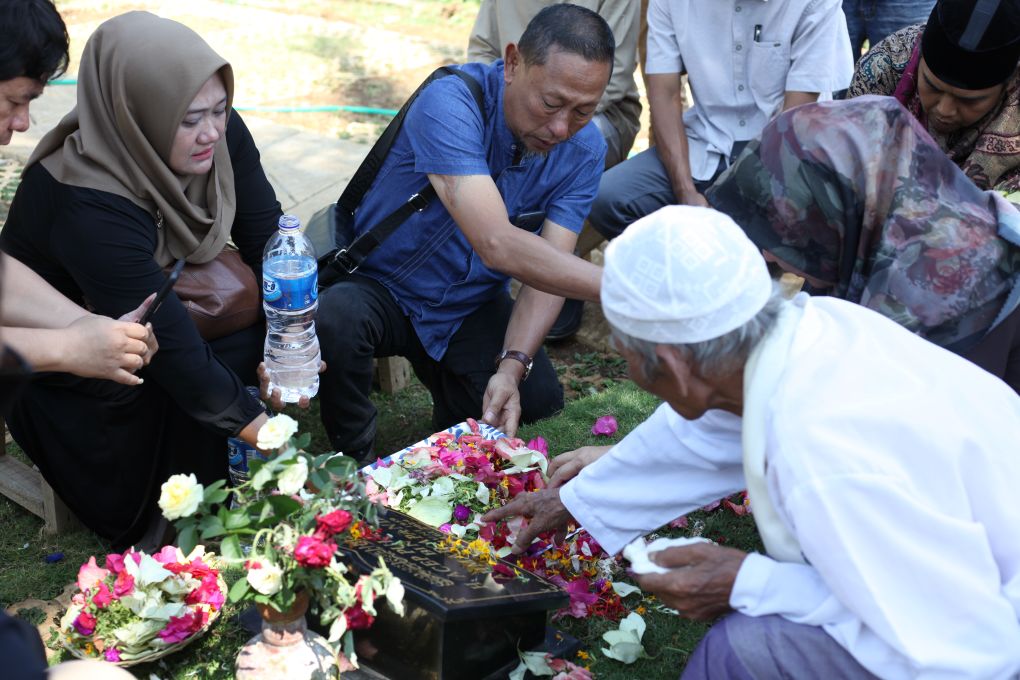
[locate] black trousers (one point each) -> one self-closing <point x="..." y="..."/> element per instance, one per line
<point x="358" y="319"/>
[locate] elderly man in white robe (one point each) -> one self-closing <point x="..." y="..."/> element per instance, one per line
<point x="882" y="470"/>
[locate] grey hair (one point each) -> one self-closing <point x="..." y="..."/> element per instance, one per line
<point x="712" y="358"/>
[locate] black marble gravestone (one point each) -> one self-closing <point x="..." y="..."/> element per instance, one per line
<point x="460" y="622"/>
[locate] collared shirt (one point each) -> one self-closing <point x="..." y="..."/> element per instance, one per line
<point x="741" y="57"/>
<point x="427" y="264"/>
<point x="503" y="21"/>
<point x="894" y="465"/>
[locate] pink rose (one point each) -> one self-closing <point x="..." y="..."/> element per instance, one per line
<point x="85" y="624"/>
<point x="605" y="426"/>
<point x="124" y="584"/>
<point x="167" y="555"/>
<point x="313" y="552"/>
<point x="91" y="574"/>
<point x="112" y="654"/>
<point x="332" y="523"/>
<point x="103" y="596"/>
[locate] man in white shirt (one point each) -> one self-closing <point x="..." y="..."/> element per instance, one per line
<point x="745" y="60"/>
<point x="881" y="470"/>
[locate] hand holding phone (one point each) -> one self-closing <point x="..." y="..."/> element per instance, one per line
<point x="164" y="290"/>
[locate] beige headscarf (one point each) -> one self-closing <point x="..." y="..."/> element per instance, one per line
<point x="139" y="74"/>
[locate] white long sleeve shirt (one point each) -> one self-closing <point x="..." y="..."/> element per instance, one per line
<point x="894" y="464"/>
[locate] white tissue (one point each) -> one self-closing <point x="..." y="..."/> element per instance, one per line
<point x="639" y="552"/>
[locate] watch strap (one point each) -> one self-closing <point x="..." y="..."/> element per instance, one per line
<point x="517" y="356"/>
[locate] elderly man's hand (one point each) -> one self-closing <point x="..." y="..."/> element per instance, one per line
<point x="565" y="466"/>
<point x="700" y="579"/>
<point x="543" y="510"/>
<point x="501" y="405"/>
<point x="275" y="397"/>
<point x="100" y="347"/>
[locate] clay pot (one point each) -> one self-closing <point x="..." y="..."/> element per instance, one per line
<point x="286" y="648"/>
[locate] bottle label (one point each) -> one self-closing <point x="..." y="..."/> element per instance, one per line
<point x="290" y="293"/>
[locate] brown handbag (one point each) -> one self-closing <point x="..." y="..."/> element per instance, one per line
<point x="221" y="296"/>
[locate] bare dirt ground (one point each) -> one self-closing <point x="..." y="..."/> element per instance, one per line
<point x="311" y="53"/>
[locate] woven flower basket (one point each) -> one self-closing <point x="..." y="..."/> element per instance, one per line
<point x="156" y="655"/>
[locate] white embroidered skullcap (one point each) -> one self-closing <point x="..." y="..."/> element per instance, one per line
<point x="683" y="275"/>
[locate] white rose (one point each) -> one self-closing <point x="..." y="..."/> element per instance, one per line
<point x="180" y="496"/>
<point x="267" y="579"/>
<point x="293" y="477"/>
<point x="276" y="431"/>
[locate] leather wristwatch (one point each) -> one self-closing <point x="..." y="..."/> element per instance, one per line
<point x="518" y="356"/>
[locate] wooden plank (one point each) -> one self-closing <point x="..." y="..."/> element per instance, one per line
<point x="57" y="515"/>
<point x="394" y="374"/>
<point x="25" y="485"/>
<point x="22" y="484"/>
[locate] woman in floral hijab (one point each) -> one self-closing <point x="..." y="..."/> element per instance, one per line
<point x="857" y="198"/>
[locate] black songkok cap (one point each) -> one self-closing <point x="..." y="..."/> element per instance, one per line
<point x="972" y="44"/>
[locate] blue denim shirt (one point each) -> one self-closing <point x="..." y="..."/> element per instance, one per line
<point x="427" y="264"/>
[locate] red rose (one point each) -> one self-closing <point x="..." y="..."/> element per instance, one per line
<point x="332" y="523"/>
<point x="358" y="618"/>
<point x="313" y="552"/>
<point x="85" y="624"/>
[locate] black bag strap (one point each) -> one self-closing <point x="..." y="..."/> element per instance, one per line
<point x="347" y="260"/>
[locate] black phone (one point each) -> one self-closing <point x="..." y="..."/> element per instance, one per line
<point x="530" y="221"/>
<point x="164" y="290"/>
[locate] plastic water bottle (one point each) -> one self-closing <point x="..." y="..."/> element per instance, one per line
<point x="290" y="297"/>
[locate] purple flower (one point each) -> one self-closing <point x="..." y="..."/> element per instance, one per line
<point x="461" y="513"/>
<point x="606" y="426"/>
<point x="112" y="654"/>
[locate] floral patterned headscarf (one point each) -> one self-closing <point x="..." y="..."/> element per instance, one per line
<point x="857" y="197"/>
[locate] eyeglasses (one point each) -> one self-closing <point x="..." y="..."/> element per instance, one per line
<point x="14" y="376"/>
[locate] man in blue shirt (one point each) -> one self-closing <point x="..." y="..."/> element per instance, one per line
<point x="515" y="183"/>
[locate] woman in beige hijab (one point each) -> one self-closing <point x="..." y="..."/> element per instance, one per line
<point x="150" y="166"/>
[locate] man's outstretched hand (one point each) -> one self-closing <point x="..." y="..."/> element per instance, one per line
<point x="565" y="466"/>
<point x="501" y="404"/>
<point x="543" y="510"/>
